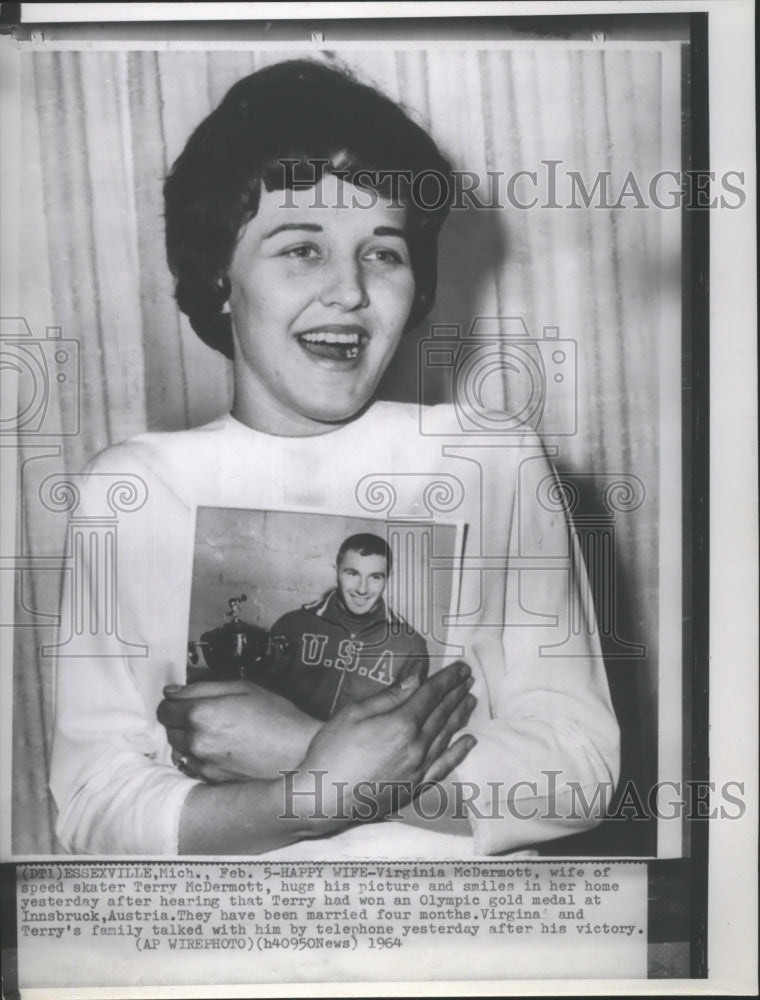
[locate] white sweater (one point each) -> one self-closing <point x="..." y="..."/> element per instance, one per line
<point x="542" y="720"/>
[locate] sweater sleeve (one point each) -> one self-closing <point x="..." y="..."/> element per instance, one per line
<point x="547" y="752"/>
<point x="112" y="779"/>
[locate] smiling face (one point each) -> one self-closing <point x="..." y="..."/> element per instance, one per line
<point x="321" y="290"/>
<point x="362" y="581"/>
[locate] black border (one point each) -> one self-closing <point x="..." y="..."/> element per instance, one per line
<point x="696" y="419"/>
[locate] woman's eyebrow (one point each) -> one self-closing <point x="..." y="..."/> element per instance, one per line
<point x="308" y="227"/>
<point x="311" y="227"/>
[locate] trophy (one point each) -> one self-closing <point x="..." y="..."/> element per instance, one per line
<point x="233" y="650"/>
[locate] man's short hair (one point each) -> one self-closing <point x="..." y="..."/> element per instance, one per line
<point x="366" y="544"/>
<point x="318" y="119"/>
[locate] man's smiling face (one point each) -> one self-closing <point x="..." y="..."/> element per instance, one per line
<point x="362" y="581"/>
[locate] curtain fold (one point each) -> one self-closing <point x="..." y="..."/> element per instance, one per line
<point x="101" y="130"/>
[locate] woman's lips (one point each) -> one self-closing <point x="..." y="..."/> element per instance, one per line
<point x="332" y="343"/>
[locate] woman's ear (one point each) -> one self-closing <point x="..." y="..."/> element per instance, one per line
<point x="224" y="288"/>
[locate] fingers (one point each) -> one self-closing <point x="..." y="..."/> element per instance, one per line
<point x="186" y="763"/>
<point x="205" y="689"/>
<point x="445" y="764"/>
<point x="418" y="697"/>
<point x="190" y="766"/>
<point x="172" y="714"/>
<point x="379" y="704"/>
<point x="456" y="719"/>
<point x="179" y="740"/>
<point x="178" y="699"/>
<point x="429" y="696"/>
<point x="194" y="767"/>
<point x="443" y="711"/>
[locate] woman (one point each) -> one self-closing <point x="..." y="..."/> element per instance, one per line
<point x="302" y="234"/>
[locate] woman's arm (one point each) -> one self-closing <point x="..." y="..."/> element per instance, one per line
<point x="233" y="730"/>
<point x="362" y="764"/>
<point x="548" y="748"/>
<point x="111" y="776"/>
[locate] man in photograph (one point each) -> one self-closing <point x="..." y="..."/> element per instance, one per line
<point x="348" y="644"/>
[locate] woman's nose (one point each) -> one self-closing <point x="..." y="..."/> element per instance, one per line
<point x="345" y="287"/>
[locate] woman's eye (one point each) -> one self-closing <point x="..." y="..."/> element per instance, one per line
<point x="302" y="252"/>
<point x="385" y="256"/>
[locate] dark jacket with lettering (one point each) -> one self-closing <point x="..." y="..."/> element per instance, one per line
<point x="323" y="656"/>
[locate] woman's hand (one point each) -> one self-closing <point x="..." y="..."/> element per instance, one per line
<point x="233" y="730"/>
<point x="369" y="752"/>
<point x="372" y="756"/>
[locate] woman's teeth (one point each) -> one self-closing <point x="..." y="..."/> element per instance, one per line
<point x="332" y="338"/>
<point x="331" y="344"/>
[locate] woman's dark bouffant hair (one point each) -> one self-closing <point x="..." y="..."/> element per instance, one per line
<point x="317" y="119"/>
